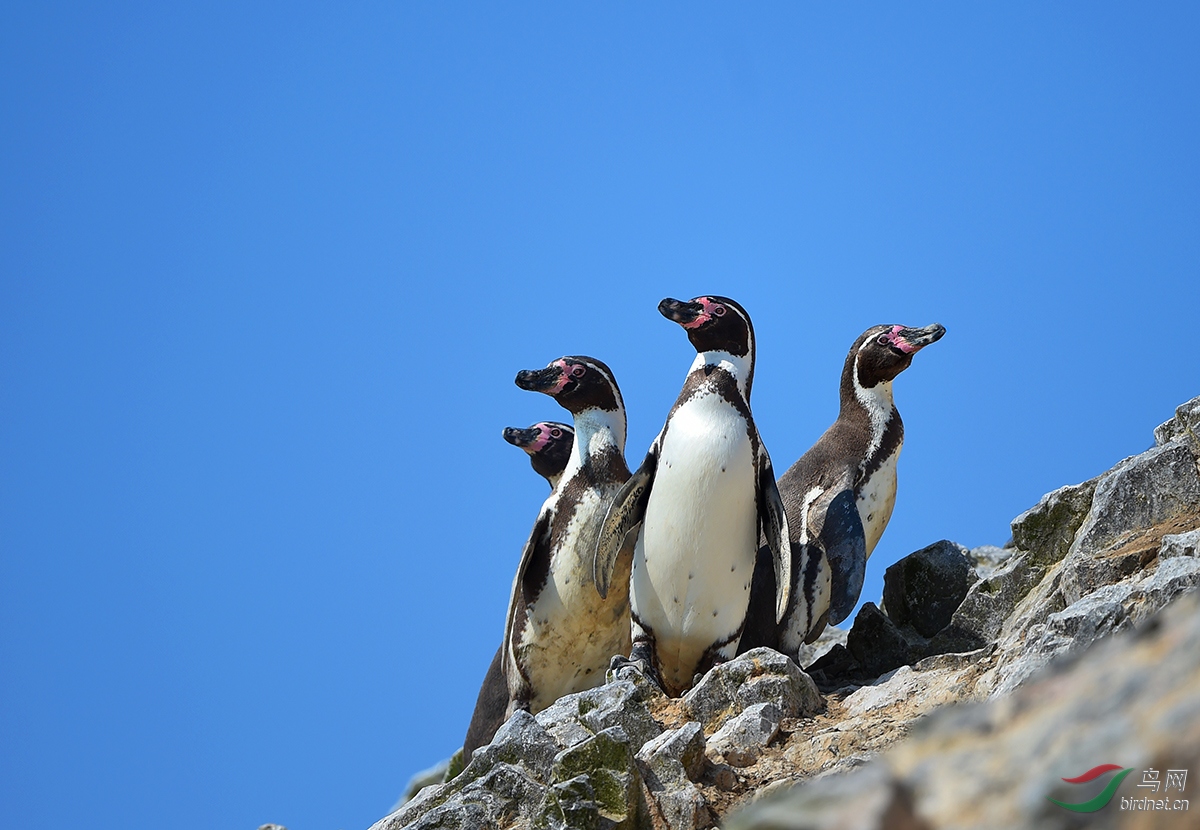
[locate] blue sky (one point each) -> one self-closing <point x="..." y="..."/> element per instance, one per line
<point x="267" y="272"/>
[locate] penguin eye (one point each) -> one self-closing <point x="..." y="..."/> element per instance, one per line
<point x="882" y="340"/>
<point x="719" y="310"/>
<point x="556" y="433"/>
<point x="578" y="371"/>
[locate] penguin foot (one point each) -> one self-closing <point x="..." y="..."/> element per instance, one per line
<point x="633" y="669"/>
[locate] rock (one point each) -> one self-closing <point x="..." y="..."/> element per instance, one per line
<point x="425" y="778"/>
<point x="741" y="740"/>
<point x="669" y="764"/>
<point x="1184" y="427"/>
<point x="1135" y="504"/>
<point x="993" y="765"/>
<point x="606" y="760"/>
<point x="924" y="588"/>
<point x="987" y="559"/>
<point x="575" y="718"/>
<point x="1171" y="579"/>
<point x="835" y="669"/>
<point x="761" y="675"/>
<point x="271" y="827"/>
<point x="683" y="808"/>
<point x="1047" y="530"/>
<point x="988" y="604"/>
<point x="674" y="756"/>
<point x="572" y="804"/>
<point x="876" y="643"/>
<point x="891" y="688"/>
<point x="1181" y="544"/>
<point x="869" y="799"/>
<point x="522" y="741"/>
<point x="809" y="653"/>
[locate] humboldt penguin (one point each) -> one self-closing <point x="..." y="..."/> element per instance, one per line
<point x="839" y="495"/>
<point x="548" y="444"/>
<point x="561" y="632"/>
<point x="698" y="503"/>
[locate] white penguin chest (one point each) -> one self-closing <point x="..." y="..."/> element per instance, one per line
<point x="876" y="499"/>
<point x="571" y="632"/>
<point x="695" y="552"/>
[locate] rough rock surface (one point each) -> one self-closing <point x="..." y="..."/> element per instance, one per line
<point x="1056" y="649"/>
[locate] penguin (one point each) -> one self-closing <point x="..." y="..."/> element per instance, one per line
<point x="548" y="444"/>
<point x="839" y="495"/>
<point x="561" y="633"/>
<point x="696" y="506"/>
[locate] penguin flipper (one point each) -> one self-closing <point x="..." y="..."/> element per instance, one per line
<point x="625" y="513"/>
<point x="535" y="558"/>
<point x="773" y="519"/>
<point x="844" y="540"/>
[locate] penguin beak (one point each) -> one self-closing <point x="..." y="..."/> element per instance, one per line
<point x="911" y="341"/>
<point x="522" y="438"/>
<point x="549" y="381"/>
<point x="680" y="312"/>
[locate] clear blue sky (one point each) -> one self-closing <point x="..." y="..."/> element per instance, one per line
<point x="267" y="272"/>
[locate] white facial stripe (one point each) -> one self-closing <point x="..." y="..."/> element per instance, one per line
<point x="739" y="367"/>
<point x="877" y="401"/>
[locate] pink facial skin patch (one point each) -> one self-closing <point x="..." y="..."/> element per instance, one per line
<point x="899" y="342"/>
<point x="704" y="316"/>
<point x="537" y="444"/>
<point x="563" y="378"/>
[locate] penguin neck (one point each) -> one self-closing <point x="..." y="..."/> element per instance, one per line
<point x="740" y="367"/>
<point x="596" y="431"/>
<point x="875" y="402"/>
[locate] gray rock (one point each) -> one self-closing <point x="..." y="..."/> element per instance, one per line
<point x="1155" y="489"/>
<point x="809" y="653"/>
<point x="1170" y="580"/>
<point x="561" y="721"/>
<point x="271" y="827"/>
<point x="571" y="805"/>
<point x="1184" y="427"/>
<point x="876" y="643"/>
<point x="522" y="741"/>
<point x="425" y="778"/>
<point x="575" y="718"/>
<point x="1132" y="699"/>
<point x="761" y="675"/>
<point x="606" y="760"/>
<point x="1180" y="544"/>
<point x="740" y="742"/>
<point x="675" y="756"/>
<point x="988" y="604"/>
<point x="495" y="799"/>
<point x="869" y="798"/>
<point x="682" y="808"/>
<point x="987" y="559"/>
<point x="669" y="764"/>
<point x="1047" y="529"/>
<point x="924" y="588"/>
<point x="516" y="763"/>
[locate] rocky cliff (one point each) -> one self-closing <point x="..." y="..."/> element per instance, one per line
<point x="962" y="699"/>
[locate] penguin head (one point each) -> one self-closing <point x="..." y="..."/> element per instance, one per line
<point x="578" y="383"/>
<point x="548" y="444"/>
<point x="713" y="324"/>
<point x="882" y="352"/>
